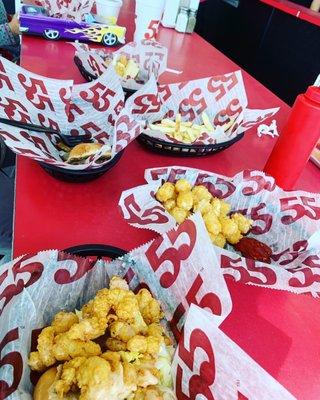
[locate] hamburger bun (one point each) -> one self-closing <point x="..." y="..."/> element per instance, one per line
<point x="41" y="390"/>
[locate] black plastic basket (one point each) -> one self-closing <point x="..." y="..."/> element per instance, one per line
<point x="82" y="176"/>
<point x="184" y="150"/>
<point x="90" y="77"/>
<point x="96" y="250"/>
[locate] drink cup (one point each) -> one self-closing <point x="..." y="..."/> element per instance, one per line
<point x="108" y="11"/>
<point x="148" y="17"/>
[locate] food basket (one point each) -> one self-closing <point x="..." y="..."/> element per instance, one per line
<point x="184" y="150"/>
<point x="80" y="176"/>
<point x="96" y="250"/>
<point x="89" y="77"/>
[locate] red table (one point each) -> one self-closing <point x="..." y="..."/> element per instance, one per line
<point x="53" y="214"/>
<point x="45" y="207"/>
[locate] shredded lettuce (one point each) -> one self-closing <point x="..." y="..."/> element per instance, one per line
<point x="163" y="364"/>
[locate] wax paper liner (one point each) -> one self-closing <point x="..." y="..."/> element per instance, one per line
<point x="223" y="98"/>
<point x="235" y="376"/>
<point x="149" y="55"/>
<point x="33" y="288"/>
<point x="95" y="108"/>
<point x="285" y="221"/>
<point x="67" y="9"/>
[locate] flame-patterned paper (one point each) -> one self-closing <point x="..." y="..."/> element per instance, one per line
<point x="181" y="270"/>
<point x="288" y="222"/>
<point x="223" y="98"/>
<point x="149" y="55"/>
<point x="95" y="109"/>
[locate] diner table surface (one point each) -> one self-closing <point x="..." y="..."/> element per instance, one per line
<point x="50" y="214"/>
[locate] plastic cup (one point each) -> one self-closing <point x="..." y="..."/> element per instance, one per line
<point x="108" y="11"/>
<point x="148" y="17"/>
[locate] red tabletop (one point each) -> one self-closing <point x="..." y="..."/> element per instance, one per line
<point x="279" y="330"/>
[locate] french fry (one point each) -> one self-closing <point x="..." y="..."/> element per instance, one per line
<point x="185" y="132"/>
<point x="207" y="123"/>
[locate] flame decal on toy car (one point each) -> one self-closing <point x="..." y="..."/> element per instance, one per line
<point x="95" y="34"/>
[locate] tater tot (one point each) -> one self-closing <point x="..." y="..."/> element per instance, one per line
<point x="200" y="193"/>
<point x="234" y="238"/>
<point x="165" y="192"/>
<point x="244" y="224"/>
<point x="228" y="227"/>
<point x="216" y="206"/>
<point x="224" y="207"/>
<point x="182" y="185"/>
<point x="212" y="223"/>
<point x="185" y="200"/>
<point x="203" y="206"/>
<point x="179" y="214"/>
<point x="169" y="204"/>
<point x="218" y="240"/>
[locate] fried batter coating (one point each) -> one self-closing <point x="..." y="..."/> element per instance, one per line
<point x="63" y="321"/>
<point x="234" y="238"/>
<point x="212" y="223"/>
<point x="182" y="185"/>
<point x="185" y="201"/>
<point x="96" y="379"/>
<point x="121" y="330"/>
<point x="218" y="240"/>
<point x="65" y="349"/>
<point x="199" y="193"/>
<point x="179" y="214"/>
<point x="115" y="345"/>
<point x="45" y="346"/>
<point x="153" y="393"/>
<point x="228" y="227"/>
<point x="149" y="307"/>
<point x="169" y="204"/>
<point x="244" y="224"/>
<point x="118" y="283"/>
<point x="165" y="192"/>
<point x="144" y="344"/>
<point x="203" y="207"/>
<point x="88" y="329"/>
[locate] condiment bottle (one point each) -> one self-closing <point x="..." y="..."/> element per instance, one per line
<point x="297" y="140"/>
<point x="182" y="20"/>
<point x="171" y="10"/>
<point x="191" y="21"/>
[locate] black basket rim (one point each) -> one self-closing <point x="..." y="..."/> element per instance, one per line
<point x="90" y="77"/>
<point x="191" y="146"/>
<point x="95" y="250"/>
<point x="83" y="172"/>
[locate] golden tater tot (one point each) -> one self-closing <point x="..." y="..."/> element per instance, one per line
<point x="234" y="238"/>
<point x="115" y="345"/>
<point x="216" y="206"/>
<point x="244" y="224"/>
<point x="218" y="240"/>
<point x="212" y="223"/>
<point x="165" y="192"/>
<point x="224" y="207"/>
<point x="185" y="200"/>
<point x="203" y="206"/>
<point x="169" y="204"/>
<point x="182" y="185"/>
<point x="179" y="214"/>
<point x="180" y="201"/>
<point x="200" y="193"/>
<point x="228" y="227"/>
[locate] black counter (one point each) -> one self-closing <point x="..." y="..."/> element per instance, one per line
<point x="278" y="49"/>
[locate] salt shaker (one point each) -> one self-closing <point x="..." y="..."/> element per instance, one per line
<point x="182" y="20"/>
<point x="191" y="21"/>
<point x="170" y="13"/>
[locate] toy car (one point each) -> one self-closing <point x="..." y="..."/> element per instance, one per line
<point x="35" y="20"/>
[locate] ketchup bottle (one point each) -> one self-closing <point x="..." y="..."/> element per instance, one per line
<point x="297" y="140"/>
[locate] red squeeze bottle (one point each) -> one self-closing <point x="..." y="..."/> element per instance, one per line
<point x="297" y="140"/>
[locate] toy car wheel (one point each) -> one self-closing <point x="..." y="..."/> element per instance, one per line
<point x="109" y="39"/>
<point x="51" y="34"/>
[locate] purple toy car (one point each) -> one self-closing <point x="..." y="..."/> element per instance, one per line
<point x="35" y="20"/>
